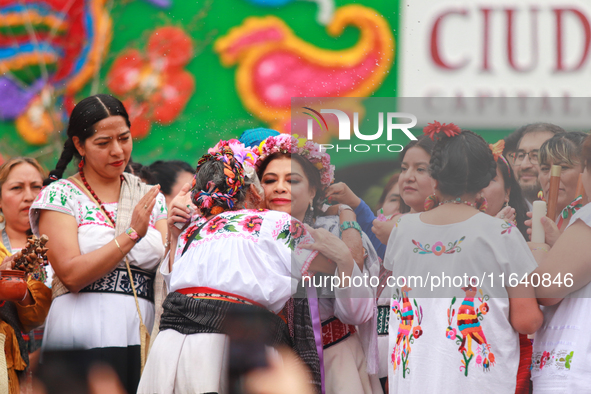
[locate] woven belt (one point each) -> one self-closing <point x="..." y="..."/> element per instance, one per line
<point x="117" y="281"/>
<point x="207" y="293"/>
<point x="383" y="319"/>
<point x="335" y="331"/>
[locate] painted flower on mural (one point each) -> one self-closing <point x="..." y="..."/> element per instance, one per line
<point x="154" y="86"/>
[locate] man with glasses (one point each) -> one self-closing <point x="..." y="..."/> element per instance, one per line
<point x="525" y="159"/>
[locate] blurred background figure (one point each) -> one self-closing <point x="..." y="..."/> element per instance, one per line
<point x="21" y="180"/>
<point x="565" y="150"/>
<point x="525" y="158"/>
<point x="171" y="175"/>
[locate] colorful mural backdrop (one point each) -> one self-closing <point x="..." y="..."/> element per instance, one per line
<point x="189" y="73"/>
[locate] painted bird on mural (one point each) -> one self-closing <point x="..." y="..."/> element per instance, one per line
<point x="469" y="325"/>
<point x="275" y="65"/>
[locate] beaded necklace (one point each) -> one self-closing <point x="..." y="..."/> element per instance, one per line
<point x="433" y="201"/>
<point x="81" y="172"/>
<point x="459" y="201"/>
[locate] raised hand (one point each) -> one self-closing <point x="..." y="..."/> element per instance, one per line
<point x="140" y="218"/>
<point x="507" y="214"/>
<point x="180" y="211"/>
<point x="551" y="230"/>
<point x="342" y="194"/>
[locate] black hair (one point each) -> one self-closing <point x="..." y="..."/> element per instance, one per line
<point x="512" y="141"/>
<point x="85" y="115"/>
<point x="539" y="128"/>
<point x="424" y="142"/>
<point x="462" y="164"/>
<point x="516" y="198"/>
<point x="311" y="172"/>
<point x="141" y="171"/>
<point x="165" y="173"/>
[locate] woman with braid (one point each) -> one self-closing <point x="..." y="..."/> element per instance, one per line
<point x="233" y="255"/>
<point x="458" y="336"/>
<point x="102" y="224"/>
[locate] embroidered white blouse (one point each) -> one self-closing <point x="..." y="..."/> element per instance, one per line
<point x="93" y="320"/>
<point x="253" y="254"/>
<point x="561" y="359"/>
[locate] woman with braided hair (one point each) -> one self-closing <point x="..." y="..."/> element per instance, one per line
<point x="232" y="253"/>
<point x="106" y="228"/>
<point x="463" y="332"/>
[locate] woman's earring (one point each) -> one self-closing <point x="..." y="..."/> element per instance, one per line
<point x="81" y="164"/>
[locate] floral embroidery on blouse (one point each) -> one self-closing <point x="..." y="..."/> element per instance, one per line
<point x="469" y="330"/>
<point x="292" y="232"/>
<point x="438" y="247"/>
<point x="226" y="224"/>
<point x="406" y="332"/>
<point x="558" y="360"/>
<point x="507" y="227"/>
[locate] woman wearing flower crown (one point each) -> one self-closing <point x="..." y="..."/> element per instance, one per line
<point x="457" y="336"/>
<point x="231" y="256"/>
<point x="295" y="173"/>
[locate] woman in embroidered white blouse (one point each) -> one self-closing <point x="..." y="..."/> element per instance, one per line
<point x="94" y="305"/>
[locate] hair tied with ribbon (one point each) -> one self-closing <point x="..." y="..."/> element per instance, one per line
<point x="450" y="130"/>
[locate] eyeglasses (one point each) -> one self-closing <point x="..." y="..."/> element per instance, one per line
<point x="519" y="156"/>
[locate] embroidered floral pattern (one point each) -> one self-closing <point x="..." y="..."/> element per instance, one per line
<point x="292" y="233"/>
<point x="402" y="307"/>
<point x="507" y="227"/>
<point x="438" y="248"/>
<point x="469" y="329"/>
<point x="228" y="223"/>
<point x="252" y="224"/>
<point x="557" y="359"/>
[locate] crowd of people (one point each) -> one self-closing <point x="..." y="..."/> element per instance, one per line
<point x="245" y="272"/>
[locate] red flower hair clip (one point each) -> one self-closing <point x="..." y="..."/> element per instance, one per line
<point x="449" y="130"/>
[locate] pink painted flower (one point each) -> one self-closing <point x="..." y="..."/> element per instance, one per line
<point x="395" y="306"/>
<point x="478" y="359"/>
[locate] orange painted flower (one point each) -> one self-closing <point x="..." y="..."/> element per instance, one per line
<point x="154" y="86"/>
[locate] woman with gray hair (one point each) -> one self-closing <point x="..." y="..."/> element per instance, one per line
<point x="230" y="254"/>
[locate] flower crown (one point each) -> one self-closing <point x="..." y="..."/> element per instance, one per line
<point x="245" y="156"/>
<point x="286" y="143"/>
<point x="450" y="130"/>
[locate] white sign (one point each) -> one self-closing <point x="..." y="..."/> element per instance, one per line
<point x="478" y="48"/>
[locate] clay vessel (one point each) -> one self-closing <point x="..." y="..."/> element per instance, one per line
<point x="13" y="286"/>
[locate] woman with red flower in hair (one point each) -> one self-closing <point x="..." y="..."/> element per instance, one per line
<point x="230" y="255"/>
<point x="295" y="174"/>
<point x="457" y="245"/>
